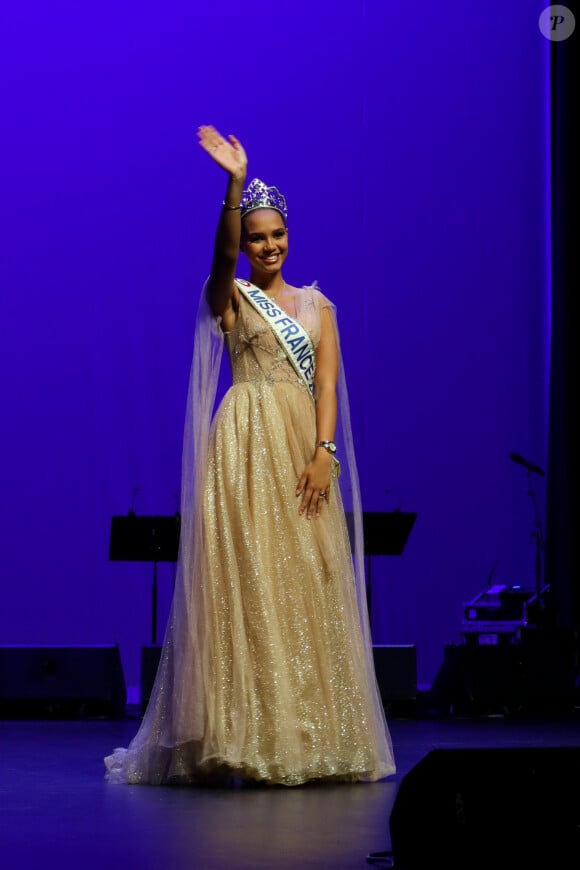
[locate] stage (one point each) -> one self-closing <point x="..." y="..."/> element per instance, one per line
<point x="59" y="810"/>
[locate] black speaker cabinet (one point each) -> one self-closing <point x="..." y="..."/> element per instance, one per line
<point x="150" y="656"/>
<point x="469" y="809"/>
<point x="396" y="671"/>
<point x="61" y="682"/>
<point x="536" y="674"/>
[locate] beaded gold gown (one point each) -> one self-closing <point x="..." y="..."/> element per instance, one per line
<point x="266" y="671"/>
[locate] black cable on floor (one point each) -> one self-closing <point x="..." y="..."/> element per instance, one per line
<point x="381" y="859"/>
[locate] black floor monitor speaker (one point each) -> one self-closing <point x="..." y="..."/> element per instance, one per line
<point x="470" y="809"/>
<point x="61" y="682"/>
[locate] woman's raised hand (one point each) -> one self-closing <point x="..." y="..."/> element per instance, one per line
<point x="227" y="152"/>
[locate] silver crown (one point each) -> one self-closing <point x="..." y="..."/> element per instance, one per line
<point x="258" y="195"/>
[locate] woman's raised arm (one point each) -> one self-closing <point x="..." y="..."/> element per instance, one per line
<point x="231" y="156"/>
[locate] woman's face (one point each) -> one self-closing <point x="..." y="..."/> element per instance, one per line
<point x="264" y="240"/>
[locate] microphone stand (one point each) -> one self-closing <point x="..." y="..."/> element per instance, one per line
<point x="537" y="535"/>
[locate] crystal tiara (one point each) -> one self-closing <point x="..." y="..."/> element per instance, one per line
<point x="258" y="195"/>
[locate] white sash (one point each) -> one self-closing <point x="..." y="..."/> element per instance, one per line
<point x="289" y="332"/>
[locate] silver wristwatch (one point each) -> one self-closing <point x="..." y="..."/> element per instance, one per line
<point x="328" y="445"/>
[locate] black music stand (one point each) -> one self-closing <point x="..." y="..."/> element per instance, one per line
<point x="385" y="533"/>
<point x="145" y="539"/>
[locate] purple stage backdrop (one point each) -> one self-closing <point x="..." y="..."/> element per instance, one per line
<point x="411" y="142"/>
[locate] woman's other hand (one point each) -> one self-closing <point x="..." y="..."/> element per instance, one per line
<point x="314" y="486"/>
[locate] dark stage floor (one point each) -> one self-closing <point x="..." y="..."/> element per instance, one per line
<point x="57" y="809"/>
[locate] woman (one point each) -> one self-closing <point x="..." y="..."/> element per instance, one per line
<point x="266" y="673"/>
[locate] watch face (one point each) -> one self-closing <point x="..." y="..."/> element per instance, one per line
<point x="330" y="445"/>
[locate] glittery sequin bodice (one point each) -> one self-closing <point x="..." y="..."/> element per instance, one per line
<point x="255" y="353"/>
